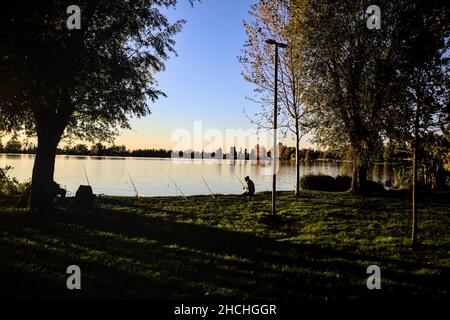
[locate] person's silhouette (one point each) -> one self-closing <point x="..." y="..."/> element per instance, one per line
<point x="250" y="188"/>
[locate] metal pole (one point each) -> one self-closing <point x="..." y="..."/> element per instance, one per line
<point x="275" y="145"/>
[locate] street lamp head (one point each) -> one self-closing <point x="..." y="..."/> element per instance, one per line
<point x="279" y="44"/>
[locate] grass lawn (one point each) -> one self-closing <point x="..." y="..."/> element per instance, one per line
<point x="168" y="248"/>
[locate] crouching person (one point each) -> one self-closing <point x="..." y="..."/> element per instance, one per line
<point x="58" y="195"/>
<point x="58" y="192"/>
<point x="249" y="188"/>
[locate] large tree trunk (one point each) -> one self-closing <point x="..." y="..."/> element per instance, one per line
<point x="362" y="177"/>
<point x="42" y="190"/>
<point x="440" y="176"/>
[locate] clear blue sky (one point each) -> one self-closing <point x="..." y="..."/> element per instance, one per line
<point x="204" y="82"/>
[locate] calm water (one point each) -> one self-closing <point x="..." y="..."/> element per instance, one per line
<point x="152" y="177"/>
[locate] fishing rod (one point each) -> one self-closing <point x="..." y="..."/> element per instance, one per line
<point x="182" y="194"/>
<point x="239" y="179"/>
<point x="87" y="178"/>
<point x="134" y="186"/>
<point x="206" y="184"/>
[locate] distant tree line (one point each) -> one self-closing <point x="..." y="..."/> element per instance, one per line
<point x="288" y="153"/>
<point x="99" y="149"/>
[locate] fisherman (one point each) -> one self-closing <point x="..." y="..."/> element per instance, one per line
<point x="58" y="194"/>
<point x="249" y="188"/>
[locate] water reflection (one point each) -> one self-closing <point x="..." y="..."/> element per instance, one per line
<point x="109" y="175"/>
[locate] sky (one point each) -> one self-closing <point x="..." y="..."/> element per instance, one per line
<point x="204" y="82"/>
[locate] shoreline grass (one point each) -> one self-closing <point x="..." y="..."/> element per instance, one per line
<point x="317" y="249"/>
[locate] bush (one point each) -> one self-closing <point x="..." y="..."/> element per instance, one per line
<point x="372" y="186"/>
<point x="318" y="182"/>
<point x="343" y="183"/>
<point x="9" y="186"/>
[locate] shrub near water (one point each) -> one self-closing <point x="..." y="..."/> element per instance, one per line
<point x="319" y="182"/>
<point x="343" y="183"/>
<point x="372" y="186"/>
<point x="323" y="182"/>
<point x="10" y="186"/>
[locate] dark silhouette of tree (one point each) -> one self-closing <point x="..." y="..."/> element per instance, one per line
<point x="79" y="149"/>
<point x="86" y="83"/>
<point x="13" y="146"/>
<point x="117" y="151"/>
<point x="152" y="153"/>
<point x="98" y="149"/>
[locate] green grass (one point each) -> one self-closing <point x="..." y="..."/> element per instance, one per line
<point x="228" y="247"/>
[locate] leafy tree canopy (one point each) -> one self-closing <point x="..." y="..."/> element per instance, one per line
<point x="84" y="82"/>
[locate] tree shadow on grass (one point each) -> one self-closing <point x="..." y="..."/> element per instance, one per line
<point x="134" y="256"/>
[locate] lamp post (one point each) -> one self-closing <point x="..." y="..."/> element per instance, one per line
<point x="275" y="125"/>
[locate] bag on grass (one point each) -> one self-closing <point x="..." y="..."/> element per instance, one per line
<point x="85" y="195"/>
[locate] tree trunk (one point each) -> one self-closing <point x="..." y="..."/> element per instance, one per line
<point x="297" y="166"/>
<point x="354" y="187"/>
<point x="440" y="176"/>
<point x="41" y="198"/>
<point x="414" y="201"/>
<point x="414" y="182"/>
<point x="362" y="177"/>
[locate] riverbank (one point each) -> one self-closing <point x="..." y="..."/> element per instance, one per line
<point x="228" y="247"/>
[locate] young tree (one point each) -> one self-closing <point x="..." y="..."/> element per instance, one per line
<point x="270" y="19"/>
<point x="57" y="81"/>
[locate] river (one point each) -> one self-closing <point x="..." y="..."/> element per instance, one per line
<point x="166" y="177"/>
